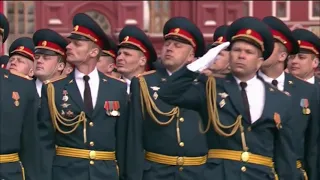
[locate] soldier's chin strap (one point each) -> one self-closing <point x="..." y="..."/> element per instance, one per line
<point x="58" y="119"/>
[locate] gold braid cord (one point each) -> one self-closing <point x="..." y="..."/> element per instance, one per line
<point x="211" y="92"/>
<point x="57" y="118"/>
<point x="151" y="106"/>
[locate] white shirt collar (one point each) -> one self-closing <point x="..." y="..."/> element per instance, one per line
<point x="268" y="79"/>
<point x="93" y="75"/>
<point x="249" y="82"/>
<point x="39" y="86"/>
<point x="169" y="73"/>
<point x="311" y="80"/>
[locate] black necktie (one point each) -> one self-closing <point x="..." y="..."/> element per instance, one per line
<point x="87" y="94"/>
<point x="243" y="86"/>
<point x="275" y="83"/>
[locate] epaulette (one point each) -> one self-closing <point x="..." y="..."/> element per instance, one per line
<point x="121" y="80"/>
<point x="21" y="75"/>
<point x="146" y="73"/>
<point x="54" y="79"/>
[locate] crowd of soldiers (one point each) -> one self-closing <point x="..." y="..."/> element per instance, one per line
<point x="245" y="107"/>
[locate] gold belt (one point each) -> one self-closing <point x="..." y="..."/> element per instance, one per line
<point x="175" y="160"/>
<point x="9" y="158"/>
<point x="241" y="156"/>
<point x="85" y="154"/>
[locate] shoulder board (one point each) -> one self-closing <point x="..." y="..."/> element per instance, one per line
<point x="21" y="75"/>
<point x="146" y="73"/>
<point x="55" y="79"/>
<point x="121" y="80"/>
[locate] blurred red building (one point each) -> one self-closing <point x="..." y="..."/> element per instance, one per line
<point x="27" y="16"/>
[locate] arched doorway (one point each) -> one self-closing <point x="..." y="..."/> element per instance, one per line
<point x="102" y="20"/>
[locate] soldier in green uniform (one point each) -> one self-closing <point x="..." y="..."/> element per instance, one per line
<point x="135" y="55"/>
<point x="252" y="135"/>
<point x="83" y="115"/>
<point x="50" y="56"/>
<point x="304" y="64"/>
<point x="166" y="142"/>
<point x="305" y="106"/>
<point x="19" y="139"/>
<point x="21" y="57"/>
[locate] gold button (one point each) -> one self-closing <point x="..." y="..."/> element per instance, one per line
<point x="92" y="155"/>
<point x="243" y="169"/>
<point x="249" y="128"/>
<point x="91" y="124"/>
<point x="92" y="162"/>
<point x="181" y="144"/>
<point x="91" y="143"/>
<point x="180" y="168"/>
<point x="181" y="119"/>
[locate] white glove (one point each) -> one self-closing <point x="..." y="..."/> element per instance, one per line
<point x="208" y="59"/>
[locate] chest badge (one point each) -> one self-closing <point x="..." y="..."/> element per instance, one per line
<point x="16" y="97"/>
<point x="65" y="95"/>
<point x="223" y="95"/>
<point x="304" y="103"/>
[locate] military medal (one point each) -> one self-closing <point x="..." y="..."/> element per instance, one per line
<point x="62" y="112"/>
<point x="65" y="97"/>
<point x="304" y="103"/>
<point x="16" y="97"/>
<point x="115" y="107"/>
<point x="277" y="120"/>
<point x="107" y="107"/>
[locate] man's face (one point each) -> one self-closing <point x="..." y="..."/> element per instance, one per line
<point x="77" y="51"/>
<point x="106" y="64"/>
<point x="175" y="54"/>
<point x="220" y="66"/>
<point x="21" y="65"/>
<point x="47" y="66"/>
<point x="245" y="59"/>
<point x="278" y="56"/>
<point x="129" y="60"/>
<point x="302" y="64"/>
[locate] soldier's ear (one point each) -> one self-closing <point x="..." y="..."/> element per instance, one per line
<point x="31" y="73"/>
<point x="61" y="66"/>
<point x="94" y="52"/>
<point x="315" y="62"/>
<point x="143" y="60"/>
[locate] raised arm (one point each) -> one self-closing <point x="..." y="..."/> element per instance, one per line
<point x="185" y="89"/>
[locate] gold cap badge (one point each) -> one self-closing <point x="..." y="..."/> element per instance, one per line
<point x="44" y="43"/>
